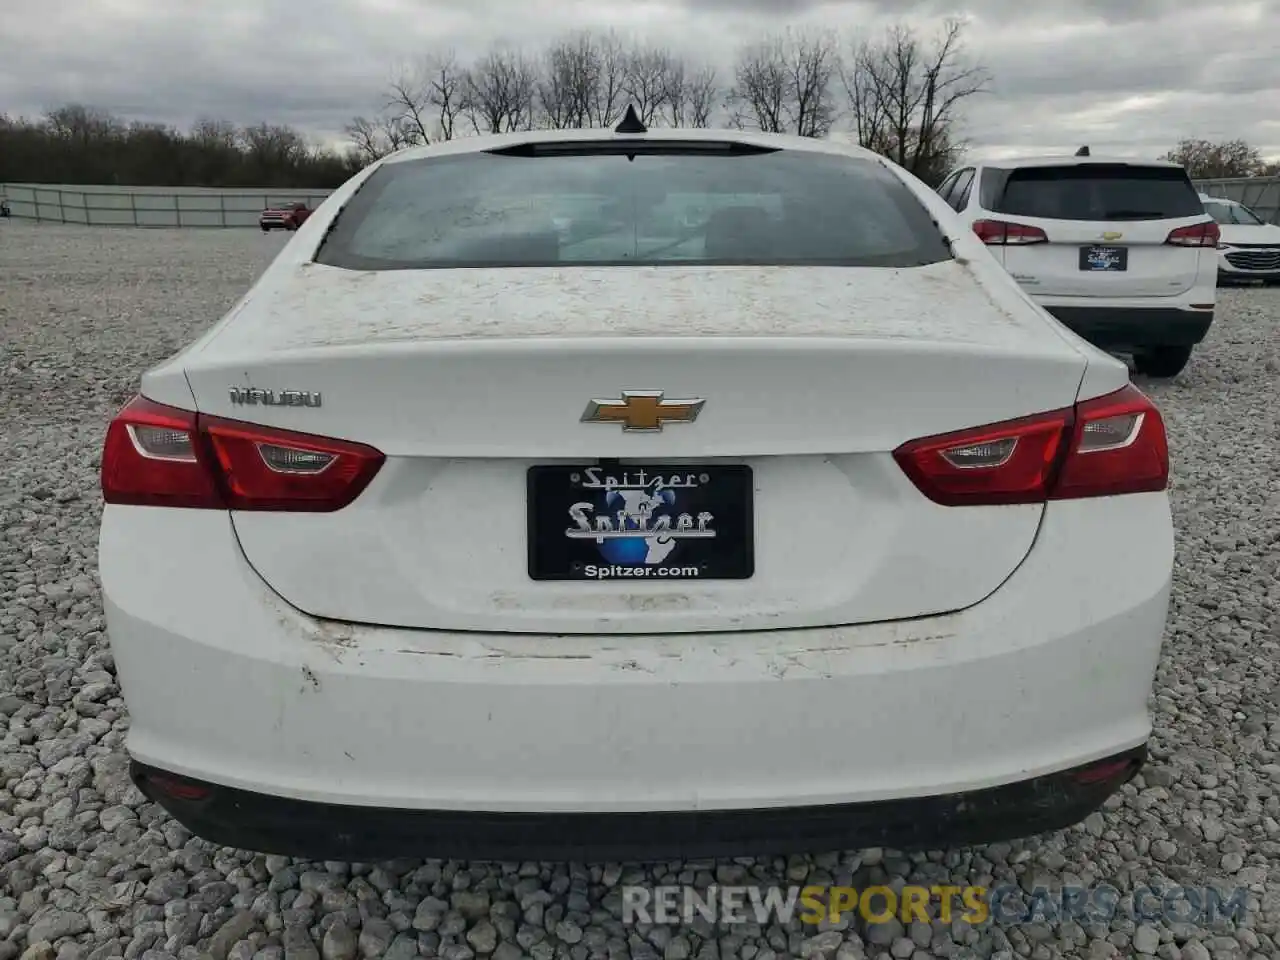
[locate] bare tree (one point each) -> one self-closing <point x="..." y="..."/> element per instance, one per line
<point x="446" y="91"/>
<point x="78" y="144"/>
<point x="905" y="94"/>
<point x="647" y="80"/>
<point x="607" y="95"/>
<point x="1206" y="160"/>
<point x="812" y="67"/>
<point x="407" y="101"/>
<point x="786" y="85"/>
<point x="902" y="94"/>
<point x="426" y="97"/>
<point x="675" y="85"/>
<point x="689" y="94"/>
<point x="270" y="148"/>
<point x="374" y="139"/>
<point x="700" y="96"/>
<point x="583" y="80"/>
<point x="82" y="125"/>
<point x="365" y="139"/>
<point x="759" y="92"/>
<point x="569" y="74"/>
<point x="214" y="134"/>
<point x="870" y="121"/>
<point x="500" y="92"/>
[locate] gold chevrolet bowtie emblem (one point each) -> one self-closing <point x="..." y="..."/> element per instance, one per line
<point x="642" y="411"/>
<point x="1112" y="235"/>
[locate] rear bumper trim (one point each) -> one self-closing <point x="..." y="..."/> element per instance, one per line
<point x="325" y="831"/>
<point x="1244" y="273"/>
<point x="1135" y="327"/>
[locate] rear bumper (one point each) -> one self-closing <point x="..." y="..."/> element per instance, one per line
<point x="1120" y="328"/>
<point x="732" y="742"/>
<point x="255" y="821"/>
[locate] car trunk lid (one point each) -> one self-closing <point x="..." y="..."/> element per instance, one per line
<point x="803" y="399"/>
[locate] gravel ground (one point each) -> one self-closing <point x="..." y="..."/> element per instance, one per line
<point x="88" y="869"/>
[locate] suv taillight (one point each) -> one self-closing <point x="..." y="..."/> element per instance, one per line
<point x="999" y="233"/>
<point x="1196" y="235"/>
<point x="162" y="456"/>
<point x="1102" y="447"/>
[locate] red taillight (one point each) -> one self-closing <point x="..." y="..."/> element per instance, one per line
<point x="1196" y="235"/>
<point x="1103" y="447"/>
<point x="152" y="456"/>
<point x="1118" y="445"/>
<point x="998" y="233"/>
<point x="162" y="456"/>
<point x="263" y="469"/>
<point x="1010" y="462"/>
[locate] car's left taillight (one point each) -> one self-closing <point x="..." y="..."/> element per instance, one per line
<point x="1000" y="233"/>
<point x="153" y="457"/>
<point x="162" y="456"/>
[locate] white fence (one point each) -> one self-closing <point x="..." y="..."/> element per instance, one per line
<point x="208" y="207"/>
<point x="147" y="206"/>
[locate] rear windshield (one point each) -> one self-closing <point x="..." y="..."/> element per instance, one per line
<point x="1232" y="214"/>
<point x="662" y="205"/>
<point x="1092" y="191"/>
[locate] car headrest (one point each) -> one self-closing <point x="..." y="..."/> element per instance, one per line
<point x="542" y="246"/>
<point x="734" y="232"/>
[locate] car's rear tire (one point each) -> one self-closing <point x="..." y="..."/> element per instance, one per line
<point x="1162" y="361"/>
<point x="266" y="229"/>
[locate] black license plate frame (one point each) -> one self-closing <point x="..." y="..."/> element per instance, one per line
<point x="1104" y="258"/>
<point x="719" y="546"/>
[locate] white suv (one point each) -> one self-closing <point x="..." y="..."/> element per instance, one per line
<point x="1250" y="247"/>
<point x="1120" y="251"/>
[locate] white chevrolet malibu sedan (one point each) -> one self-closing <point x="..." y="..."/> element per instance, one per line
<point x="627" y="495"/>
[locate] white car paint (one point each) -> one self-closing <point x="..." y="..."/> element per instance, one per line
<point x="1051" y="270"/>
<point x="396" y="653"/>
<point x="1177" y="281"/>
<point x="1250" y="247"/>
<point x="226" y="682"/>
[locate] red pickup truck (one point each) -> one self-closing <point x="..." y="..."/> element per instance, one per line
<point x="289" y="216"/>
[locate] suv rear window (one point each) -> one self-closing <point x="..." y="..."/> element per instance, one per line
<point x="1091" y="191"/>
<point x="574" y="204"/>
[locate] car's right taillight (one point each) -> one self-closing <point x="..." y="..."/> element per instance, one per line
<point x="162" y="456"/>
<point x="1196" y="235"/>
<point x="1107" y="446"/>
<point x="1118" y="445"/>
<point x="1000" y="233"/>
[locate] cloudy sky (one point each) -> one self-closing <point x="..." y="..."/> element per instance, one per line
<point x="1125" y="76"/>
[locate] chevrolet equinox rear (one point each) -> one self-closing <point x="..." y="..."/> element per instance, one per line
<point x="1120" y="251"/>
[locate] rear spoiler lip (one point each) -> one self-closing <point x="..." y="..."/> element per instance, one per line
<point x="632" y="146"/>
